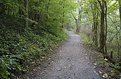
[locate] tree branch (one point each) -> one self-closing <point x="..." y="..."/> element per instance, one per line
<point x="99" y="3"/>
<point x="73" y="16"/>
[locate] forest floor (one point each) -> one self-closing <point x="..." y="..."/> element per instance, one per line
<point x="71" y="61"/>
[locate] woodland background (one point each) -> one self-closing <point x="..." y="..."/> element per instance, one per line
<point x="29" y="29"/>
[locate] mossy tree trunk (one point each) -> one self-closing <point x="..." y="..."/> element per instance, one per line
<point x="103" y="26"/>
<point x="26" y="5"/>
<point x="120" y="27"/>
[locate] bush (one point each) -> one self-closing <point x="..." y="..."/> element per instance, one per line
<point x="19" y="48"/>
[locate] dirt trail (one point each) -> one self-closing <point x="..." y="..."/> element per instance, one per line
<point x="69" y="62"/>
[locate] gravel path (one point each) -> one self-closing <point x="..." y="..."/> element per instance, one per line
<point x="69" y="62"/>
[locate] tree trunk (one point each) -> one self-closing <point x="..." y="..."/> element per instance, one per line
<point x="106" y="26"/>
<point x="77" y="25"/>
<point x="103" y="26"/>
<point x="120" y="26"/>
<point x="2" y="8"/>
<point x="120" y="12"/>
<point x="102" y="40"/>
<point x="95" y="25"/>
<point x="26" y="2"/>
<point x="79" y="18"/>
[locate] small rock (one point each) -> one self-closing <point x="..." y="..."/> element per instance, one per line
<point x="40" y="59"/>
<point x="105" y="75"/>
<point x="43" y="57"/>
<point x="33" y="62"/>
<point x="49" y="58"/>
<point x="34" y="69"/>
<point x="95" y="64"/>
<point x="58" y="69"/>
<point x="96" y="73"/>
<point x="100" y="72"/>
<point x="94" y="67"/>
<point x="106" y="59"/>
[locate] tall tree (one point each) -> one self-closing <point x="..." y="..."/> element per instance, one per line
<point x="26" y="4"/>
<point x="103" y="25"/>
<point x="95" y="23"/>
<point x="119" y="1"/>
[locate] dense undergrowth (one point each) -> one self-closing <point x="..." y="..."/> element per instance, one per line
<point x="28" y="30"/>
<point x="18" y="48"/>
<point x="112" y="70"/>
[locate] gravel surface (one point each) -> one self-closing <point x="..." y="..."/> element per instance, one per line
<point x="69" y="62"/>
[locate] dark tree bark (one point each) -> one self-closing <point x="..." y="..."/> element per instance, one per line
<point x="26" y="5"/>
<point x="103" y="26"/>
<point x="2" y="8"/>
<point x="106" y="26"/>
<point x="120" y="12"/>
<point x="120" y="26"/>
